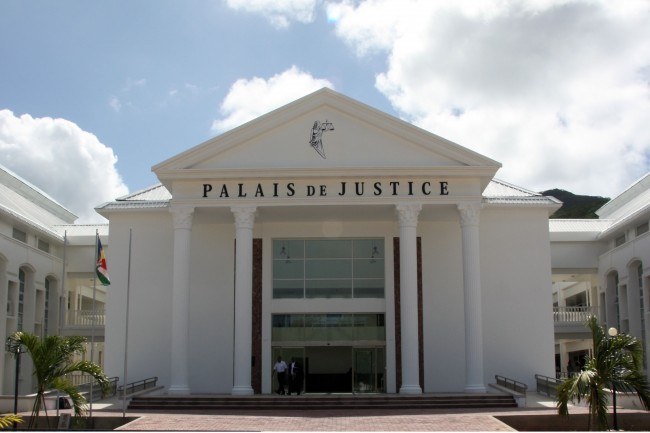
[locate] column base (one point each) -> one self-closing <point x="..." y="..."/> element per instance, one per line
<point x="410" y="389"/>
<point x="178" y="390"/>
<point x="242" y="390"/>
<point x="475" y="389"/>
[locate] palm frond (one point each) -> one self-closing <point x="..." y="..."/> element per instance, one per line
<point x="616" y="363"/>
<point x="8" y="420"/>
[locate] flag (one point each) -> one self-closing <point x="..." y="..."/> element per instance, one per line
<point x="102" y="270"/>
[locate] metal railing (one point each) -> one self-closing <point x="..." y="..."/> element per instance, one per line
<point x="140" y="385"/>
<point x="97" y="394"/>
<point x="86" y="318"/>
<point x="573" y="314"/>
<point x="511" y="384"/>
<point x="547" y="385"/>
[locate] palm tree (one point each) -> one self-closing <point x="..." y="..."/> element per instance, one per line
<point x="616" y="363"/>
<point x="52" y="357"/>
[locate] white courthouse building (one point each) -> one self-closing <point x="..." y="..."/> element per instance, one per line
<point x="380" y="256"/>
<point x="383" y="257"/>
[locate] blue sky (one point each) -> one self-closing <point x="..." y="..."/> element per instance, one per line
<point x="92" y="94"/>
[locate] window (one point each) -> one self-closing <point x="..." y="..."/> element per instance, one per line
<point x="643" y="228"/>
<point x="43" y="246"/>
<point x="328" y="327"/>
<point x="326" y="268"/>
<point x="19" y="235"/>
<point x="620" y="240"/>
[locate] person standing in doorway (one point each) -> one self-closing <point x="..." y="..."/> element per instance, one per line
<point x="280" y="368"/>
<point x="295" y="379"/>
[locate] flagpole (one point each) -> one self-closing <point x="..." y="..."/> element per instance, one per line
<point x="126" y="332"/>
<point x="94" y="313"/>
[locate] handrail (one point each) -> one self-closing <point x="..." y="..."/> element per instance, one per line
<point x="86" y="318"/>
<point x="547" y="385"/>
<point x="97" y="389"/>
<point x="511" y="384"/>
<point x="140" y="385"/>
<point x="573" y="314"/>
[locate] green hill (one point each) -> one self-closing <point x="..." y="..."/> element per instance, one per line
<point x="576" y="206"/>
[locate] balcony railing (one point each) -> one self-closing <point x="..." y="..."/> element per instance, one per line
<point x="86" y="318"/>
<point x="573" y="315"/>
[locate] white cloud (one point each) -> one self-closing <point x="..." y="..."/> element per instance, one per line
<point x="115" y="104"/>
<point x="69" y="164"/>
<point x="248" y="99"/>
<point x="280" y="13"/>
<point x="558" y="91"/>
<point x="134" y="84"/>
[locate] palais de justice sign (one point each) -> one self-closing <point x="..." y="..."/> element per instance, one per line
<point x="341" y="189"/>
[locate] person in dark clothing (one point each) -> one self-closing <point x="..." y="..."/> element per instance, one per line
<point x="295" y="377"/>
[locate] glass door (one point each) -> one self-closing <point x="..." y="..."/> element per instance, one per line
<point x="368" y="369"/>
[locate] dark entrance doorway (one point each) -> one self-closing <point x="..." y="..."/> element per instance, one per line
<point x="328" y="369"/>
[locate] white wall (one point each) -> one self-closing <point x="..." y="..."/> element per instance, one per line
<point x="212" y="308"/>
<point x="150" y="295"/>
<point x="576" y="255"/>
<point x="443" y="308"/>
<point x="516" y="283"/>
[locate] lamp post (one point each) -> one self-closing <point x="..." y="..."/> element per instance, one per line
<point x="15" y="348"/>
<point x="613" y="332"/>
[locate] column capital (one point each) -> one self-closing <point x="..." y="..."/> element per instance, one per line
<point x="182" y="216"/>
<point x="469" y="213"/>
<point x="244" y="216"/>
<point x="408" y="214"/>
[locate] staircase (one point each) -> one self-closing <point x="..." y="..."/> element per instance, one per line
<point x="319" y="402"/>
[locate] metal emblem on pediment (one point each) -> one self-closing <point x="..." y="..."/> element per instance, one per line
<point x="316" y="136"/>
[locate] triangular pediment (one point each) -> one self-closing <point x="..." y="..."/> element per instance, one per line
<point x="323" y="132"/>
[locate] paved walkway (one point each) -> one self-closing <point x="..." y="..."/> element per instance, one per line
<point x="330" y="420"/>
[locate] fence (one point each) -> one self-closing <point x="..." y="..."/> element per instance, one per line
<point x="511" y="384"/>
<point x="547" y="385"/>
<point x="140" y="385"/>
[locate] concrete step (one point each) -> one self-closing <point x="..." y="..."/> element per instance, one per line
<point x="311" y="402"/>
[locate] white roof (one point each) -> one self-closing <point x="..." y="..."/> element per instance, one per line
<point x="499" y="188"/>
<point x="27" y="204"/>
<point x="577" y="229"/>
<point x="82" y="229"/>
<point x="578" y="225"/>
<point x="30" y="202"/>
<point x="634" y="199"/>
<point x="504" y="193"/>
<point x="153" y="193"/>
<point x="154" y="197"/>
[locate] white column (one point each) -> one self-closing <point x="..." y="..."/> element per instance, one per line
<point x="244" y="221"/>
<point x="469" y="223"/>
<point x="179" y="374"/>
<point x="408" y="222"/>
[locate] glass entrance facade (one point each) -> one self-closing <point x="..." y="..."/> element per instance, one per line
<point x="336" y="352"/>
<point x="328" y="268"/>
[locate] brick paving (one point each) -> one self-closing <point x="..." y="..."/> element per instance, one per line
<point x="318" y="421"/>
<point x="324" y="420"/>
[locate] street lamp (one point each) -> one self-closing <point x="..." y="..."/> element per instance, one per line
<point x="15" y="348"/>
<point x="613" y="332"/>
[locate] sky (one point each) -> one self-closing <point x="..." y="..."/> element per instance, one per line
<point x="93" y="94"/>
